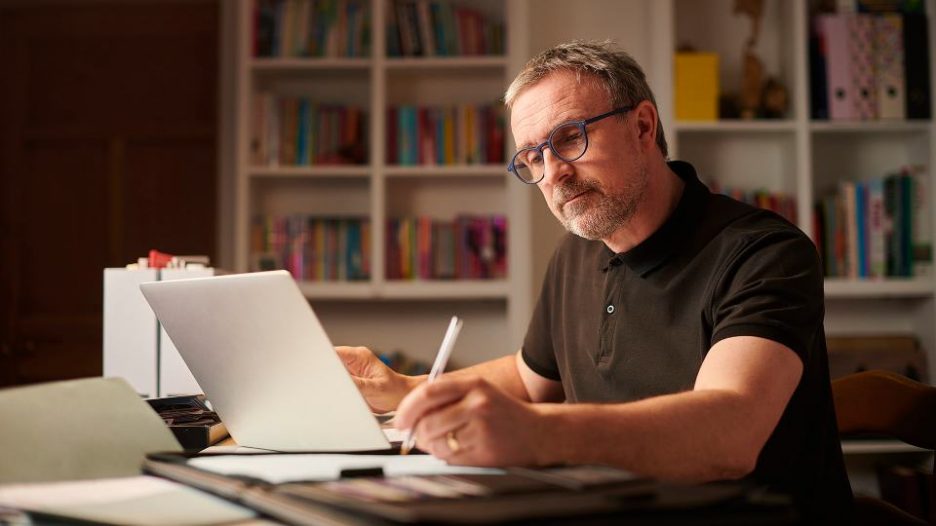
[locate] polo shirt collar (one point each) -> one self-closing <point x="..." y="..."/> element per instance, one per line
<point x="675" y="231"/>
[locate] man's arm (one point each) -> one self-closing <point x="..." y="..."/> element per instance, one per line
<point x="383" y="388"/>
<point x="715" y="431"/>
<point x="512" y="374"/>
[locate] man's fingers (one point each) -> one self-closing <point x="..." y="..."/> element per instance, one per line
<point x="439" y="423"/>
<point x="429" y="397"/>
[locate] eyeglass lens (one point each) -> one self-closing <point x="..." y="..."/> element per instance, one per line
<point x="568" y="142"/>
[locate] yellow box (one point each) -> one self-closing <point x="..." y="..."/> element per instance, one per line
<point x="696" y="90"/>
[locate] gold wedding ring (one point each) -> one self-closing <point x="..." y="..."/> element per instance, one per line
<point x="452" y="442"/>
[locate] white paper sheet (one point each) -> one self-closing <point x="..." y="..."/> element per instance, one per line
<point x="277" y="469"/>
<point x="141" y="500"/>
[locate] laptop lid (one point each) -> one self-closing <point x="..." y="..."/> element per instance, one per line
<point x="257" y="349"/>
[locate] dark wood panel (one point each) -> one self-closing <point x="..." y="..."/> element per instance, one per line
<point x="63" y="228"/>
<point x="170" y="194"/>
<point x="107" y="148"/>
<point x="150" y="82"/>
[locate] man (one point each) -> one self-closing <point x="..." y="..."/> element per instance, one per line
<point x="682" y="329"/>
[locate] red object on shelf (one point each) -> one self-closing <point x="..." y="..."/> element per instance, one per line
<point x="158" y="259"/>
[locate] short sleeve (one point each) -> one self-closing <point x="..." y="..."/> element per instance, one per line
<point x="538" y="352"/>
<point x="771" y="289"/>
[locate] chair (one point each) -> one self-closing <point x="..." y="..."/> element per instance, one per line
<point x="886" y="403"/>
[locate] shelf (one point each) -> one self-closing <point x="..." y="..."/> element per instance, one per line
<point x="323" y="290"/>
<point x="486" y="170"/>
<point x="438" y="290"/>
<point x="406" y="290"/>
<point x="311" y="64"/>
<point x="870" y="447"/>
<point x="308" y="171"/>
<point x="869" y="126"/>
<point x="478" y="62"/>
<point x="886" y="288"/>
<point x="735" y="126"/>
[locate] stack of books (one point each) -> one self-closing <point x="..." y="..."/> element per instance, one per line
<point x="462" y="134"/>
<point x="781" y="203"/>
<point x="424" y="28"/>
<point x="299" y="131"/>
<point x="312" y="248"/>
<point x="877" y="228"/>
<point x="469" y="247"/>
<point x="311" y="28"/>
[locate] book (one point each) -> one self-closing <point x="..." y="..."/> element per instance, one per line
<point x="922" y="237"/>
<point x="877" y="247"/>
<point x="311" y="28"/>
<point x="847" y="189"/>
<point x="312" y="248"/>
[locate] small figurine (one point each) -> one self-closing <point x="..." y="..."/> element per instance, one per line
<point x="752" y="68"/>
<point x="775" y="100"/>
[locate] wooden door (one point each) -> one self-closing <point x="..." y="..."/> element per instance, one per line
<point x="107" y="149"/>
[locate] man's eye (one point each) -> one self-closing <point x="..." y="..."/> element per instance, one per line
<point x="530" y="158"/>
<point x="571" y="137"/>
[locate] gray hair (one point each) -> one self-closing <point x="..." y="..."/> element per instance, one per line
<point x="617" y="72"/>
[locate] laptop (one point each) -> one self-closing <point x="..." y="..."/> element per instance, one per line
<point x="263" y="359"/>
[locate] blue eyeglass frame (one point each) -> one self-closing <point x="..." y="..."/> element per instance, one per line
<point x="512" y="168"/>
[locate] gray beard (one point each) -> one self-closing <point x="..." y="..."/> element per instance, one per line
<point x="599" y="214"/>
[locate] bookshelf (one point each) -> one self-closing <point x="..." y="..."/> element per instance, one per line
<point x="797" y="155"/>
<point x="390" y="314"/>
<point x="805" y="158"/>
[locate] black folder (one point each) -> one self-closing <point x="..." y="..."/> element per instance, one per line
<point x="917" y="66"/>
<point x="563" y="494"/>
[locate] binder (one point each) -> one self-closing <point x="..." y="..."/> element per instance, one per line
<point x="516" y="495"/>
<point x="889" y="65"/>
<point x="916" y="53"/>
<point x="818" y="83"/>
<point x="130" y="329"/>
<point x="840" y="92"/>
<point x="696" y="86"/>
<point x="861" y="66"/>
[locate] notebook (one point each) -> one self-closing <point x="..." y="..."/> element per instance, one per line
<point x="266" y="364"/>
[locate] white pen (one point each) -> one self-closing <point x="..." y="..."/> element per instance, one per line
<point x="445" y="350"/>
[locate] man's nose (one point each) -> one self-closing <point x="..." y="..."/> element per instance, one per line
<point x="556" y="170"/>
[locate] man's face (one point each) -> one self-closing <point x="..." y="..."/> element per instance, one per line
<point x="600" y="192"/>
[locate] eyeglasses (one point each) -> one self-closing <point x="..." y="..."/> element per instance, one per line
<point x="568" y="141"/>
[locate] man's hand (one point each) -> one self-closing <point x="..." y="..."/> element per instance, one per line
<point x="382" y="387"/>
<point x="467" y="420"/>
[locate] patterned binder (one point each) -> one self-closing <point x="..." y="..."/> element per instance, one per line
<point x="889" y="64"/>
<point x="861" y="65"/>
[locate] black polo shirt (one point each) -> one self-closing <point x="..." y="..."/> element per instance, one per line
<point x="621" y="327"/>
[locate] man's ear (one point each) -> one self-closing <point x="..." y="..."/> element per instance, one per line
<point x="647" y="119"/>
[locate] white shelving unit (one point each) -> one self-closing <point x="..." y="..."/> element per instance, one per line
<point x="805" y="158"/>
<point x="800" y="156"/>
<point x="381" y="313"/>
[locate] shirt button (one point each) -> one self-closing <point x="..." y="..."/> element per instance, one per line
<point x="610" y="309"/>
